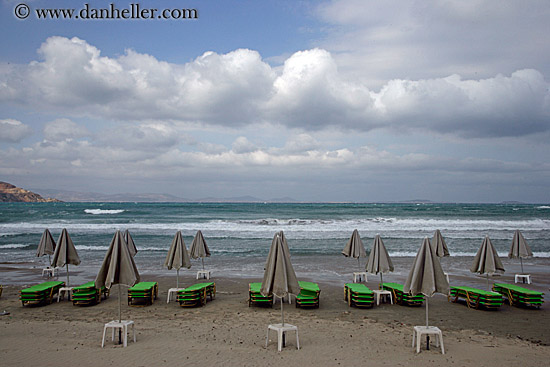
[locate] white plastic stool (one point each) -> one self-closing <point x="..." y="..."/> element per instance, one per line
<point x="380" y="292"/>
<point x="359" y="276"/>
<point x="281" y="329"/>
<point x="173" y="290"/>
<point x="119" y="325"/>
<point x="427" y="330"/>
<point x="523" y="277"/>
<point x="50" y="271"/>
<point x="63" y="290"/>
<point x="203" y="274"/>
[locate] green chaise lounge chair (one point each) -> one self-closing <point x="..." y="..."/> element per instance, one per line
<point x="519" y="296"/>
<point x="143" y="294"/>
<point x="40" y="294"/>
<point x="87" y="294"/>
<point x="256" y="298"/>
<point x="196" y="295"/>
<point x="402" y="298"/>
<point x="309" y="295"/>
<point x="476" y="298"/>
<point x="358" y="295"/>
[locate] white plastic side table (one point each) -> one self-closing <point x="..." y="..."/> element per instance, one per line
<point x="119" y="325"/>
<point x="281" y="329"/>
<point x="523" y="277"/>
<point x="203" y="274"/>
<point x="380" y="292"/>
<point x="359" y="276"/>
<point x="173" y="290"/>
<point x="50" y="271"/>
<point x="63" y="290"/>
<point x="427" y="330"/>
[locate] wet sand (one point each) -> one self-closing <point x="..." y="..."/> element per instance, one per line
<point x="226" y="331"/>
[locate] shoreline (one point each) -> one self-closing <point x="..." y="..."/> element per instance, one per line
<point x="227" y="331"/>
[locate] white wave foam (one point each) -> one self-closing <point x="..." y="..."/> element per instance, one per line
<point x="543" y="207"/>
<point x="103" y="211"/>
<point x="12" y="245"/>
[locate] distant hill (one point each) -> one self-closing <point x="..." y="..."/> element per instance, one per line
<point x="75" y="196"/>
<point x="12" y="194"/>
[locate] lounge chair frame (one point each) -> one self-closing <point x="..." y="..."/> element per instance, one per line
<point x="40" y="294"/>
<point x="476" y="298"/>
<point x="143" y="294"/>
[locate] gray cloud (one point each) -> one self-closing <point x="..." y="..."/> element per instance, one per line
<point x="13" y="131"/>
<point x="239" y="89"/>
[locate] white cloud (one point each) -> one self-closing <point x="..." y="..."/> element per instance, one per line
<point x="13" y="131"/>
<point x="239" y="89"/>
<point x="64" y="129"/>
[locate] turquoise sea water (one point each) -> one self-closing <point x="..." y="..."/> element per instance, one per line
<point x="240" y="234"/>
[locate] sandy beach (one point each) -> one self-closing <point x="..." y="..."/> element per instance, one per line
<point x="226" y="331"/>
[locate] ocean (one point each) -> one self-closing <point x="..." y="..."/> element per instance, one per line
<point x="239" y="234"/>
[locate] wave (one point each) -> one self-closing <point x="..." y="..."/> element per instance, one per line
<point x="103" y="211"/>
<point x="13" y="245"/>
<point x="543" y="207"/>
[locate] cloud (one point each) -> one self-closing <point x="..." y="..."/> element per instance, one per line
<point x="308" y="93"/>
<point x="13" y="131"/>
<point x="64" y="129"/>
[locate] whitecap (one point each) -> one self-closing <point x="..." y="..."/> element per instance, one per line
<point x="103" y="211"/>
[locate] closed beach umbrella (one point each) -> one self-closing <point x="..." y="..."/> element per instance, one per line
<point x="379" y="260"/>
<point x="426" y="275"/>
<point x="177" y="256"/>
<point x="130" y="241"/>
<point x="118" y="267"/>
<point x="285" y="245"/>
<point x="354" y="248"/>
<point x="439" y="245"/>
<point x="199" y="248"/>
<point x="486" y="260"/>
<point x="65" y="253"/>
<point x="46" y="246"/>
<point x="519" y="248"/>
<point x="279" y="276"/>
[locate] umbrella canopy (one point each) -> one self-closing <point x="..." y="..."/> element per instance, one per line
<point x="379" y="260"/>
<point x="354" y="248"/>
<point x="426" y="275"/>
<point x="439" y="245"/>
<point x="279" y="276"/>
<point x="65" y="253"/>
<point x="118" y="267"/>
<point x="199" y="248"/>
<point x="46" y="246"/>
<point x="285" y="246"/>
<point x="177" y="256"/>
<point x="486" y="260"/>
<point x="519" y="248"/>
<point x="130" y="242"/>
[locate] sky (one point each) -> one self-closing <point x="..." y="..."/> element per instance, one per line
<point x="342" y="100"/>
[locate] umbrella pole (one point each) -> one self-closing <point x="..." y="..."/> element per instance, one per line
<point x="521" y="261"/>
<point x="283" y="318"/>
<point x="67" y="275"/>
<point x="177" y="278"/>
<point x="381" y="281"/>
<point x="202" y="259"/>
<point x="428" y="335"/>
<point x="488" y="282"/>
<point x="119" y="313"/>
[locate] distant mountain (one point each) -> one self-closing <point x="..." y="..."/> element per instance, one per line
<point x="11" y="193"/>
<point x="75" y="196"/>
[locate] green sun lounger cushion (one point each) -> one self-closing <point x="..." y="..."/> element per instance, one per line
<point x="197" y="294"/>
<point x="143" y="293"/>
<point x="519" y="296"/>
<point x="402" y="298"/>
<point x="476" y="298"/>
<point x="256" y="298"/>
<point x="309" y="295"/>
<point x="40" y="293"/>
<point x="87" y="294"/>
<point x="358" y="295"/>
